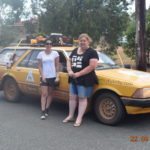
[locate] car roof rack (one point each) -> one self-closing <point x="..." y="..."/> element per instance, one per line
<point x="58" y="40"/>
<point x="40" y="45"/>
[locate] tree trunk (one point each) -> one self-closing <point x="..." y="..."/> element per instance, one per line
<point x="140" y="35"/>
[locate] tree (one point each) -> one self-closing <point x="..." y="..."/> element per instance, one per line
<point x="98" y="18"/>
<point x="148" y="36"/>
<point x="10" y="13"/>
<point x="12" y="9"/>
<point x="130" y="35"/>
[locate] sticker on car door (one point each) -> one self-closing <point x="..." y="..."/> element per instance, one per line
<point x="30" y="77"/>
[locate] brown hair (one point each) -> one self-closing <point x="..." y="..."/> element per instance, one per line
<point x="85" y="35"/>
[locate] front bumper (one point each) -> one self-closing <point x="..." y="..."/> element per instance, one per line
<point x="136" y="102"/>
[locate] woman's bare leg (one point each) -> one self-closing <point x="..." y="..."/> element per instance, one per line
<point x="49" y="98"/>
<point x="81" y="109"/>
<point x="44" y="95"/>
<point x="72" y="107"/>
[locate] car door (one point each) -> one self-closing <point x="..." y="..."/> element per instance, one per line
<point x="27" y="74"/>
<point x="5" y="56"/>
<point x="33" y="75"/>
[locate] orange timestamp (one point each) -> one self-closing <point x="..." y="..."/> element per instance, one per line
<point x="143" y="138"/>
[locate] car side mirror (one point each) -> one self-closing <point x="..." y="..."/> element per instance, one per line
<point x="8" y="64"/>
<point x="128" y="66"/>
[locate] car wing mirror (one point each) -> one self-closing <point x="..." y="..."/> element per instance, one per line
<point x="128" y="66"/>
<point x="9" y="64"/>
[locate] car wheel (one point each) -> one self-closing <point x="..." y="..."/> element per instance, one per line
<point x="11" y="90"/>
<point x="109" y="109"/>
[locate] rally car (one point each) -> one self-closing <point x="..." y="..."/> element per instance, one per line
<point x="120" y="91"/>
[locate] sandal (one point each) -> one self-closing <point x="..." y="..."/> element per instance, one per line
<point x="77" y="124"/>
<point x="66" y="120"/>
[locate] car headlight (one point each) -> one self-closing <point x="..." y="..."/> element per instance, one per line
<point x="142" y="93"/>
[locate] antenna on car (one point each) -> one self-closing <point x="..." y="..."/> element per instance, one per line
<point x="18" y="45"/>
<point x="16" y="48"/>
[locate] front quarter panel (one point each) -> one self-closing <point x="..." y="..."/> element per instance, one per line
<point x="121" y="88"/>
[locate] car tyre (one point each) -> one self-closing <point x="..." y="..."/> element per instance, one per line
<point x="109" y="109"/>
<point x="11" y="90"/>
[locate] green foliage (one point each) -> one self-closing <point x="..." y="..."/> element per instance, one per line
<point x="96" y="17"/>
<point x="130" y="35"/>
<point x="10" y="13"/>
<point x="14" y="10"/>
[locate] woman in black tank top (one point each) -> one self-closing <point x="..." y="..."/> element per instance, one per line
<point x="81" y="70"/>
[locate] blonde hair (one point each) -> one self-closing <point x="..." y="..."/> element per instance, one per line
<point x="85" y="35"/>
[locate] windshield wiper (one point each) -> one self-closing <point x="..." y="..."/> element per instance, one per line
<point x="107" y="65"/>
<point x="113" y="65"/>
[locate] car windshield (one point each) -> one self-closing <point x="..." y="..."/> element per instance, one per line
<point x="105" y="62"/>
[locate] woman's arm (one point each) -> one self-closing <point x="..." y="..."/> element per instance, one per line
<point x="69" y="65"/>
<point x="69" y="70"/>
<point x="40" y="67"/>
<point x="57" y="67"/>
<point x="92" y="65"/>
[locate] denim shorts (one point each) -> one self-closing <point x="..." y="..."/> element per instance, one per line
<point x="80" y="90"/>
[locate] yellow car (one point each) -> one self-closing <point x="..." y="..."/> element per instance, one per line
<point x="120" y="91"/>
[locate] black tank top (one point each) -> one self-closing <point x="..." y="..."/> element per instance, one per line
<point x="81" y="61"/>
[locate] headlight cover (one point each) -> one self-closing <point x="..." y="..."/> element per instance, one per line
<point x="142" y="93"/>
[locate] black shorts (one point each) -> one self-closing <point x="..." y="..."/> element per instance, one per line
<point x="49" y="82"/>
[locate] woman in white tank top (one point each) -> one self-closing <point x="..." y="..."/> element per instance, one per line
<point x="48" y="61"/>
